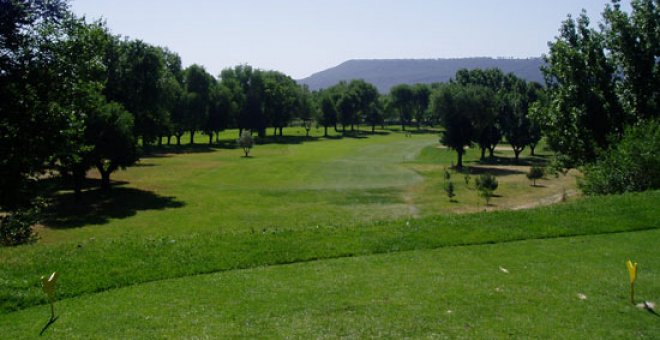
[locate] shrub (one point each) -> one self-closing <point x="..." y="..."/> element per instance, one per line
<point x="631" y="165"/>
<point x="486" y="184"/>
<point x="16" y="227"/>
<point x="246" y="142"/>
<point x="535" y="172"/>
<point x="449" y="189"/>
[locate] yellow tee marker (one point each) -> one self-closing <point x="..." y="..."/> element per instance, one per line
<point x="632" y="271"/>
<point x="48" y="286"/>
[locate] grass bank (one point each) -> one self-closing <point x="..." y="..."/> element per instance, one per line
<point x="95" y="265"/>
<point x="572" y="288"/>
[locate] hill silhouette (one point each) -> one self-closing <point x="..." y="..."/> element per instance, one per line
<point x="385" y="73"/>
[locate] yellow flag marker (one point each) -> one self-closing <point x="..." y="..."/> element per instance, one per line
<point x="632" y="271"/>
<point x="48" y="286"/>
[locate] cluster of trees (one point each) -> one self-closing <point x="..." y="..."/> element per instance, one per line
<point x="483" y="106"/>
<point x="74" y="97"/>
<point x="601" y="81"/>
<point x="604" y="97"/>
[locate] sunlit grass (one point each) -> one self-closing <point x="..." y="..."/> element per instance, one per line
<point x="573" y="287"/>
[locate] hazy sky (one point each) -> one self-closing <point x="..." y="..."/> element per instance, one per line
<point x="300" y="37"/>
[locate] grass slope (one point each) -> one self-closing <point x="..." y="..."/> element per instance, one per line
<point x="101" y="264"/>
<point x="457" y="292"/>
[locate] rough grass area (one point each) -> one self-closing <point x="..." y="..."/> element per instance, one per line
<point x="98" y="264"/>
<point x="455" y="292"/>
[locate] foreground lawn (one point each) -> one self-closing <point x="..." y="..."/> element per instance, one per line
<point x="450" y="292"/>
<point x="101" y="264"/>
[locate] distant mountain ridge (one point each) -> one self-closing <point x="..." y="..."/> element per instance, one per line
<point x="385" y="73"/>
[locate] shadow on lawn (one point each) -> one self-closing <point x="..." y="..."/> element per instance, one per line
<point x="479" y="170"/>
<point x="97" y="207"/>
<point x="523" y="161"/>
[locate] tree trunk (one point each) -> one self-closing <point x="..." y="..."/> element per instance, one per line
<point x="274" y="131"/>
<point x="517" y="152"/>
<point x="281" y="133"/>
<point x="532" y="147"/>
<point x="459" y="165"/>
<point x="491" y="152"/>
<point x="169" y="139"/>
<point x="78" y="178"/>
<point x="483" y="153"/>
<point x="105" y="180"/>
<point x="145" y="144"/>
<point x="160" y="140"/>
<point x="178" y="140"/>
<point x="192" y="137"/>
<point x="325" y="131"/>
<point x="211" y="138"/>
<point x="336" y="130"/>
<point x="403" y="125"/>
<point x="373" y="128"/>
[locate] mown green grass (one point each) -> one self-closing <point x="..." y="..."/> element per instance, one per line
<point x="292" y="182"/>
<point x="455" y="292"/>
<point x="281" y="185"/>
<point x="100" y="264"/>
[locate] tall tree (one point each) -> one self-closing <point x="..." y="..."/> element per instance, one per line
<point x="328" y="112"/>
<point x="143" y="67"/>
<point x="115" y="147"/>
<point x="198" y="85"/>
<point x="456" y="106"/>
<point x="282" y="98"/>
<point x="403" y="100"/>
<point x="421" y="97"/>
<point x="583" y="110"/>
<point x="366" y="96"/>
<point x="634" y="44"/>
<point x="30" y="126"/>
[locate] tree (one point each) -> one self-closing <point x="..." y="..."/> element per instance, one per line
<point x="403" y="101"/>
<point x="30" y="125"/>
<point x="140" y="87"/>
<point x="221" y="108"/>
<point x="246" y="142"/>
<point x="281" y="99"/>
<point x="486" y="184"/>
<point x="465" y="112"/>
<point x="198" y="85"/>
<point x="634" y="44"/>
<point x="114" y="144"/>
<point x="449" y="103"/>
<point x="82" y="75"/>
<point x="347" y="108"/>
<point x="449" y="189"/>
<point x="366" y="97"/>
<point x="633" y="164"/>
<point x="515" y="122"/>
<point x="584" y="110"/>
<point x="535" y="172"/>
<point x="328" y="113"/>
<point x="247" y="88"/>
<point x="421" y="97"/>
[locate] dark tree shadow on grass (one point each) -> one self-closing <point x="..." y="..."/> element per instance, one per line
<point x="523" y="161"/>
<point x="98" y="207"/>
<point x="489" y="170"/>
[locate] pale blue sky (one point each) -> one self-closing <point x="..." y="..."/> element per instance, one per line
<point x="301" y="37"/>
